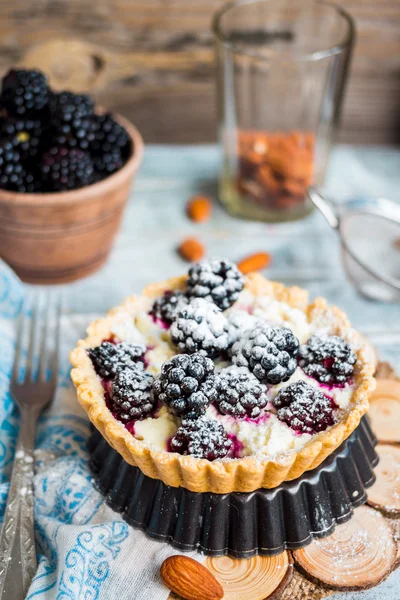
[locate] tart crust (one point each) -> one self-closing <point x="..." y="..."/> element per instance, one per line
<point x="227" y="475"/>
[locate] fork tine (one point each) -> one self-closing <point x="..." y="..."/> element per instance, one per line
<point x="44" y="330"/>
<point x="18" y="344"/>
<point x="29" y="372"/>
<point x="56" y="350"/>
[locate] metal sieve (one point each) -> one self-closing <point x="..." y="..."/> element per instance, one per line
<point x="369" y="231"/>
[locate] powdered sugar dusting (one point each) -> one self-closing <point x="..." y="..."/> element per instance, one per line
<point x="124" y="328"/>
<point x="241" y="321"/>
<point x="358" y="552"/>
<point x="201" y="326"/>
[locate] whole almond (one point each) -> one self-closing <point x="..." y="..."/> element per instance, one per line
<point x="189" y="579"/>
<point x="191" y="250"/>
<point x="254" y="262"/>
<point x="199" y="208"/>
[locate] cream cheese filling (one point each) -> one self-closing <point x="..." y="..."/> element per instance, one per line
<point x="157" y="432"/>
<point x="265" y="436"/>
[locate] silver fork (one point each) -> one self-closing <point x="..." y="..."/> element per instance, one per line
<point x="32" y="389"/>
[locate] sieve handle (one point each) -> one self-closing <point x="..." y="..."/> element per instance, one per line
<point x="325" y="206"/>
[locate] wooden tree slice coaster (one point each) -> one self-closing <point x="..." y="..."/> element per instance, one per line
<point x="384" y="410"/>
<point x="301" y="588"/>
<point x="385" y="370"/>
<point x="358" y="555"/>
<point x="385" y="493"/>
<point x="254" y="578"/>
<point x="371" y="351"/>
<point x="394" y="525"/>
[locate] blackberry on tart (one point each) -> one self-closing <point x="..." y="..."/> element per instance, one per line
<point x="167" y="306"/>
<point x="109" y="358"/>
<point x="201" y="438"/>
<point x="239" y="393"/>
<point x="304" y="408"/>
<point x="131" y="395"/>
<point x="268" y="352"/>
<point x="328" y="359"/>
<point x="215" y="280"/>
<point x="186" y="385"/>
<point x="201" y="327"/>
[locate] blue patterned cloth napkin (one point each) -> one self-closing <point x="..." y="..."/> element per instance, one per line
<point x="85" y="550"/>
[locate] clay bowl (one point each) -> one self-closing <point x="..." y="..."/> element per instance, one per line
<point x="63" y="236"/>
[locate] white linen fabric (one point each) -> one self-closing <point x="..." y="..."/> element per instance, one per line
<point x="85" y="550"/>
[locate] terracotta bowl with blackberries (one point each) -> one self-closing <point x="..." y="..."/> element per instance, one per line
<point x="66" y="171"/>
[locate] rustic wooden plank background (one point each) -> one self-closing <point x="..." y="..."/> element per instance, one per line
<point x="152" y="60"/>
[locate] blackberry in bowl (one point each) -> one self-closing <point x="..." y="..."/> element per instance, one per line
<point x="65" y="176"/>
<point x="61" y="169"/>
<point x="25" y="92"/>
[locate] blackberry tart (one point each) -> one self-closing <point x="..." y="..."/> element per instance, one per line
<point x="190" y="403"/>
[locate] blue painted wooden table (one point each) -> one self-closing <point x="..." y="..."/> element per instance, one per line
<point x="305" y="253"/>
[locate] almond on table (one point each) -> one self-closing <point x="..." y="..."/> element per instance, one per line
<point x="191" y="249"/>
<point x="199" y="208"/>
<point x="254" y="262"/>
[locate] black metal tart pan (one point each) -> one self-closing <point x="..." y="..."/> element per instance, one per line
<point x="264" y="522"/>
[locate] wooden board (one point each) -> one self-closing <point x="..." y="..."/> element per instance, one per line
<point x="152" y="60"/>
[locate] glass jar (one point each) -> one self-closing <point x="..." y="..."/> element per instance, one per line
<point x="281" y="72"/>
